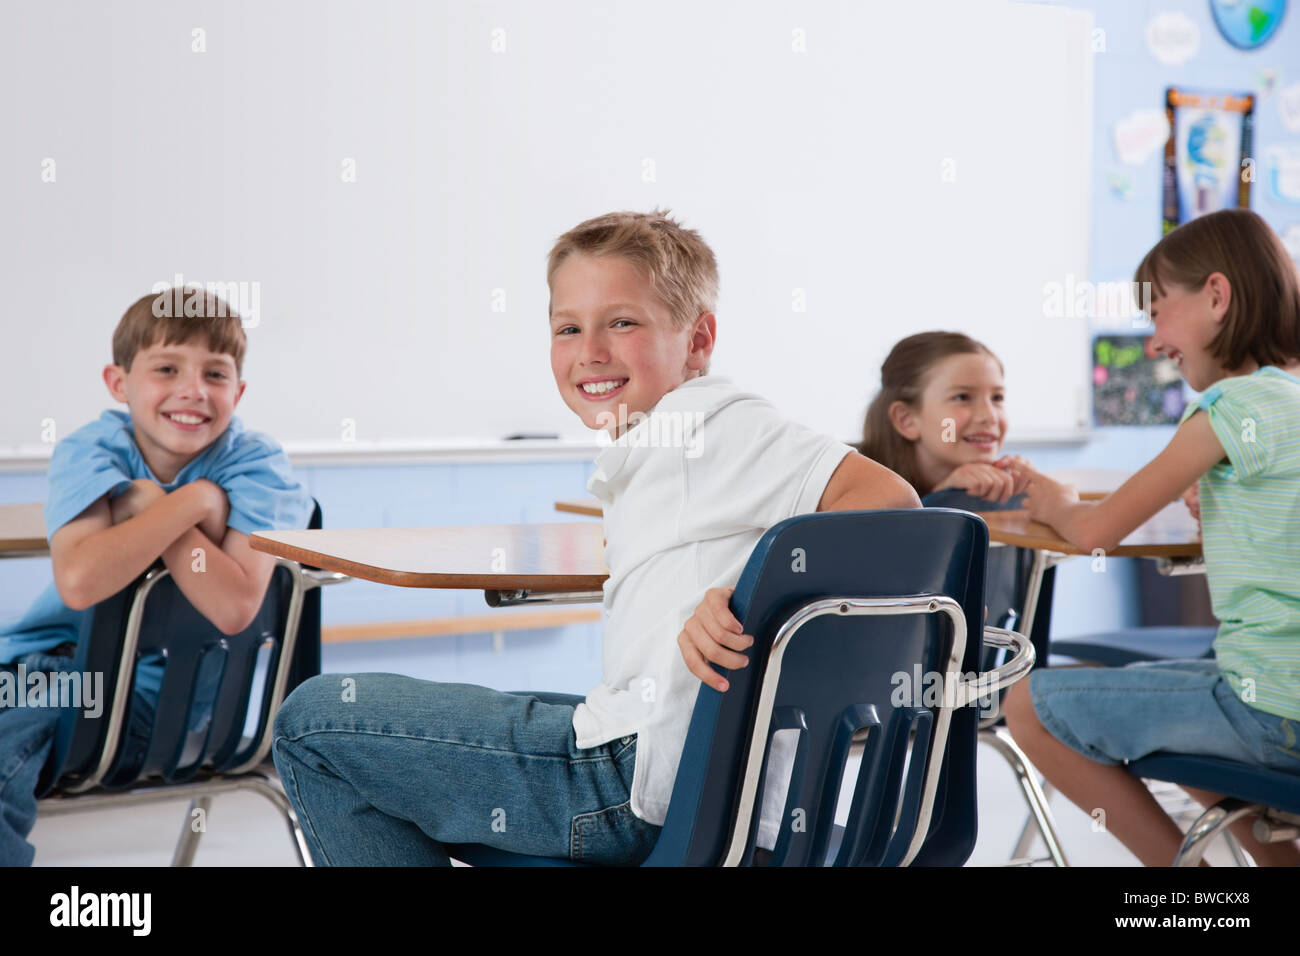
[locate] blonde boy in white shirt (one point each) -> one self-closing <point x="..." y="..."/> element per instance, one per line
<point x="693" y="473"/>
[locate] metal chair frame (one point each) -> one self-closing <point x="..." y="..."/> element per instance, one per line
<point x="956" y="692"/>
<point x="255" y="774"/>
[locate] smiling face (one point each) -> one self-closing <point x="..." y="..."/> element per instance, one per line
<point x="961" y="418"/>
<point x="1186" y="322"/>
<point x="613" y="343"/>
<point x="181" y="398"/>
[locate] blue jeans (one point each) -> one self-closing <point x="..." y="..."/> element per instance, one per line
<point x="26" y="735"/>
<point x="383" y="770"/>
<point x="1116" y="714"/>
<point x="26" y="739"/>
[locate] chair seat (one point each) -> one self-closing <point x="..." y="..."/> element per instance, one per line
<point x="1134" y="644"/>
<point x="1272" y="788"/>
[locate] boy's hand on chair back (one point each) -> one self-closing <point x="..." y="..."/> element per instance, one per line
<point x="712" y="634"/>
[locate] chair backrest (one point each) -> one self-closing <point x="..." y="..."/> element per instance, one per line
<point x="838" y="680"/>
<point x="1007" y="574"/>
<point x="214" y="692"/>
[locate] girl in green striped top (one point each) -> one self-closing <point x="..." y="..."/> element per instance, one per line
<point x="1226" y="309"/>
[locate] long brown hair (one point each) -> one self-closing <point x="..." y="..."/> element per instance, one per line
<point x="903" y="378"/>
<point x="1263" y="318"/>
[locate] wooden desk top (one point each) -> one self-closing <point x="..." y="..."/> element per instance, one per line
<point x="583" y="506"/>
<point x="22" y="529"/>
<point x="1172" y="533"/>
<point x="540" y="557"/>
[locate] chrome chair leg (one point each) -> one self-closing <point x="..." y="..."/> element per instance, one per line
<point x="259" y="784"/>
<point x="189" y="839"/>
<point x="1209" y="825"/>
<point x="1000" y="740"/>
<point x="1239" y="855"/>
<point x="1030" y="829"/>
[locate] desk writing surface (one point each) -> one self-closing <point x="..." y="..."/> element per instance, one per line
<point x="22" y="528"/>
<point x="1171" y="533"/>
<point x="542" y="557"/>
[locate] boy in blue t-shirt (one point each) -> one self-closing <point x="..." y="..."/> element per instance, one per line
<point x="176" y="479"/>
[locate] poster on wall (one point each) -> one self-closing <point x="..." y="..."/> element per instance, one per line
<point x="1133" y="384"/>
<point x="1209" y="138"/>
<point x="1247" y="24"/>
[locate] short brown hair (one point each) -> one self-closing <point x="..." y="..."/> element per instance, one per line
<point x="678" y="262"/>
<point x="176" y="316"/>
<point x="903" y="377"/>
<point x="1263" y="318"/>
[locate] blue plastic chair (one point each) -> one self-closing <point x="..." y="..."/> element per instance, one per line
<point x="1271" y="795"/>
<point x="210" y="731"/>
<point x="1011" y="577"/>
<point x="885" y="594"/>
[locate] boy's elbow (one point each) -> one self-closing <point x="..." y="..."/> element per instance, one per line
<point x="73" y="588"/>
<point x="74" y="600"/>
<point x="905" y="495"/>
<point x="238" y="617"/>
<point x="232" y="623"/>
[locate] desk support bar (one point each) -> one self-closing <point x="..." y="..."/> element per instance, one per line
<point x="1175" y="567"/>
<point x="513" y="597"/>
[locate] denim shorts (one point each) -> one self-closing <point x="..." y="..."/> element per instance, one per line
<point x="1116" y="714"/>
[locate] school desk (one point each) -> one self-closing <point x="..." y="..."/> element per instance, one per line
<point x="585" y="506"/>
<point x="511" y="564"/>
<point x="22" y="531"/>
<point x="1172" y="537"/>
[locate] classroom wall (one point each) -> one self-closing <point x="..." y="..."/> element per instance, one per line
<point x="1126" y="213"/>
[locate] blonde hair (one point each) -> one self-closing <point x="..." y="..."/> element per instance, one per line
<point x="678" y="263"/>
<point x="177" y="316"/>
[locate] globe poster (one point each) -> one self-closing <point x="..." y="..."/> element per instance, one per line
<point x="1247" y="24"/>
<point x="1209" y="141"/>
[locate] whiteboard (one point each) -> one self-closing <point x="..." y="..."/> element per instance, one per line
<point x="387" y="179"/>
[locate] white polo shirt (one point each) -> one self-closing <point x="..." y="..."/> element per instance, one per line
<point x="687" y="493"/>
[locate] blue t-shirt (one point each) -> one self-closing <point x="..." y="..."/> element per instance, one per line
<point x="103" y="459"/>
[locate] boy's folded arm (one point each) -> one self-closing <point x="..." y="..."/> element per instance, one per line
<point x="860" y="484"/>
<point x="93" y="558"/>
<point x="225" y="582"/>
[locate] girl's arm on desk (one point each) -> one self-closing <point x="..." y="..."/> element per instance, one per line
<point x="1193" y="450"/>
